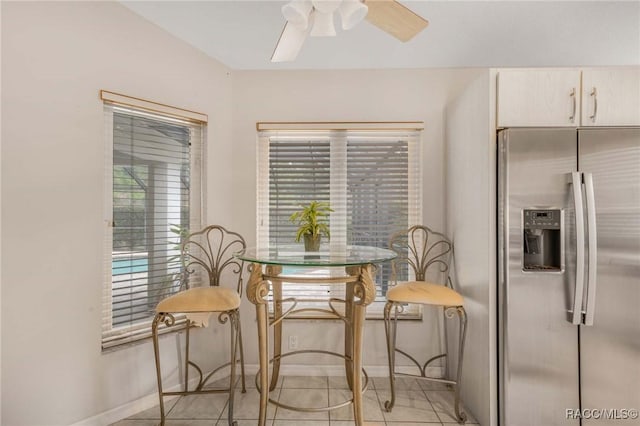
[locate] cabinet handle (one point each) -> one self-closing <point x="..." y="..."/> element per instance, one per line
<point x="594" y="95"/>
<point x="572" y="95"/>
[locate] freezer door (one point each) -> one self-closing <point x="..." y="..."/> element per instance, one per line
<point x="610" y="348"/>
<point x="539" y="347"/>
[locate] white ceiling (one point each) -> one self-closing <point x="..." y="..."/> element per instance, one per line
<point x="242" y="34"/>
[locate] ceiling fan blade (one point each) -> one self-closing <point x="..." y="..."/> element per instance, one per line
<point x="289" y="44"/>
<point x="395" y="19"/>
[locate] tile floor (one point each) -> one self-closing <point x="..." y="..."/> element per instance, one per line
<point x="417" y="403"/>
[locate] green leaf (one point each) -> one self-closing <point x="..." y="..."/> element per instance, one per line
<point x="311" y="219"/>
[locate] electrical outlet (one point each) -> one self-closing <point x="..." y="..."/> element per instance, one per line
<point x="293" y="342"/>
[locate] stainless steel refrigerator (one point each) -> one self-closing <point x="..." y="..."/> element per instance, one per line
<point x="569" y="276"/>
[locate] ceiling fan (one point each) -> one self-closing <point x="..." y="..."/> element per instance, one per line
<point x="315" y="18"/>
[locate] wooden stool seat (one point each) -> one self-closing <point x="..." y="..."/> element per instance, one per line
<point x="425" y="294"/>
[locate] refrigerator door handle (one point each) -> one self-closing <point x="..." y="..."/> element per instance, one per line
<point x="593" y="249"/>
<point x="576" y="181"/>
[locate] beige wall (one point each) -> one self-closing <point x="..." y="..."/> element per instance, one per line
<point x="56" y="56"/>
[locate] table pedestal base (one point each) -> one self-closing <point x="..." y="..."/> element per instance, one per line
<point x="360" y="292"/>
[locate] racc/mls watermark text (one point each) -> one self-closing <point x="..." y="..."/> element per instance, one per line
<point x="602" y="413"/>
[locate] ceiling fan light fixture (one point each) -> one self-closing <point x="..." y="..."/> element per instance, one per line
<point x="352" y="12"/>
<point x="297" y="13"/>
<point x="315" y="17"/>
<point x="322" y="24"/>
<point x="326" y="6"/>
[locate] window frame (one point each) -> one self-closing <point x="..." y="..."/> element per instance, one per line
<point x="113" y="337"/>
<point x="335" y="132"/>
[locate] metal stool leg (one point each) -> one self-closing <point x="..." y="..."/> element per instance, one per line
<point x="156" y="350"/>
<point x="390" y="332"/>
<point x="233" y="320"/>
<point x="276" y="288"/>
<point x="445" y="358"/>
<point x="461" y="417"/>
<point x="244" y="387"/>
<point x="186" y="357"/>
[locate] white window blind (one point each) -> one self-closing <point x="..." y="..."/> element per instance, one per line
<point x="153" y="191"/>
<point x="371" y="178"/>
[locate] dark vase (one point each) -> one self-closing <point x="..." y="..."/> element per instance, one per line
<point x="312" y="242"/>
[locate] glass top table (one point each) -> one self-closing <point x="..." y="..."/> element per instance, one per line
<point x="295" y="255"/>
<point x="266" y="278"/>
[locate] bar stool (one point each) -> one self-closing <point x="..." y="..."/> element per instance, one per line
<point x="205" y="255"/>
<point x="420" y="248"/>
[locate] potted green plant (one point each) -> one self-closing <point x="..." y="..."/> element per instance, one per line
<point x="311" y="221"/>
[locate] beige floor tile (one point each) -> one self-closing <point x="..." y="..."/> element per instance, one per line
<point x="251" y="382"/>
<point x="443" y="404"/>
<point x="241" y="422"/>
<point x="413" y="406"/>
<point x="371" y="408"/>
<point x="247" y="405"/>
<point x="410" y="406"/>
<point x="199" y="407"/>
<point x="412" y="424"/>
<point x="402" y="383"/>
<point x="224" y="383"/>
<point x="154" y="413"/>
<point x="278" y="384"/>
<point x="448" y="419"/>
<point x="339" y="382"/>
<point x="301" y="382"/>
<point x="136" y="422"/>
<point x="312" y="398"/>
<point x="427" y="385"/>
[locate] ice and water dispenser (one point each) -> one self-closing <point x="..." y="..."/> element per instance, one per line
<point x="542" y="240"/>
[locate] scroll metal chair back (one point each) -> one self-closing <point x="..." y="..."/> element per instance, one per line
<point x="208" y="253"/>
<point x="207" y="262"/>
<point x="426" y="254"/>
<point x="420" y="248"/>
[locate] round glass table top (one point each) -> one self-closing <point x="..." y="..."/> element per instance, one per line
<point x="295" y="255"/>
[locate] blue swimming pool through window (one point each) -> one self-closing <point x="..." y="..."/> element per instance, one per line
<point x="129" y="266"/>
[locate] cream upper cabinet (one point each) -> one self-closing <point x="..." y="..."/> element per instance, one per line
<point x="538" y="97"/>
<point x="611" y="97"/>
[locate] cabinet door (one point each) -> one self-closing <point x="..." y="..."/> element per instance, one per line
<point x="531" y="97"/>
<point x="611" y="97"/>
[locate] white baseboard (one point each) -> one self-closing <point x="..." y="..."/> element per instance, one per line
<point x="121" y="412"/>
<point x="150" y="401"/>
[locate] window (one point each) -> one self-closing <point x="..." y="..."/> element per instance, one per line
<point x="153" y="198"/>
<point x="370" y="177"/>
